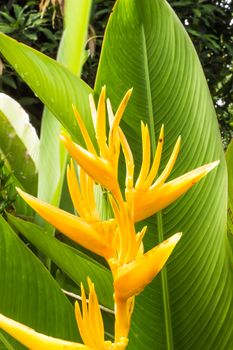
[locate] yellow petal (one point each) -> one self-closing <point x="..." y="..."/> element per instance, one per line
<point x="127" y="249"/>
<point x="93" y="110"/>
<point x="101" y="124"/>
<point x="117" y="119"/>
<point x="145" y="156"/>
<point x="84" y="325"/>
<point x="110" y="113"/>
<point x="84" y="131"/>
<point x="95" y="318"/>
<point x="156" y="199"/>
<point x="132" y="278"/>
<point x="36" y="341"/>
<point x="156" y="162"/>
<point x="97" y="168"/>
<point x="163" y="177"/>
<point x="129" y="161"/>
<point x="72" y="226"/>
<point x="90" y="323"/>
<point x="75" y="193"/>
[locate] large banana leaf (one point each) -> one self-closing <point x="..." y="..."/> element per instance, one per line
<point x="190" y="305"/>
<point x="229" y="159"/>
<point x="19" y="142"/>
<point x="75" y="264"/>
<point x="29" y="294"/>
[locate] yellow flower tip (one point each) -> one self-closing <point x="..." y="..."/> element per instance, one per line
<point x="197" y="174"/>
<point x="173" y="240"/>
<point x="63" y="137"/>
<point x="133" y="277"/>
<point x="210" y="166"/>
<point x="23" y="194"/>
<point x="161" y="134"/>
<point x="102" y="96"/>
<point x="128" y="94"/>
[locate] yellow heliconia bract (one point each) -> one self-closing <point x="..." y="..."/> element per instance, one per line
<point x="89" y="235"/>
<point x="115" y="239"/>
<point x="132" y="278"/>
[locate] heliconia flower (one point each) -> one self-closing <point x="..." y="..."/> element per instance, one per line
<point x="103" y="168"/>
<point x="96" y="236"/>
<point x="151" y="195"/>
<point x="90" y="324"/>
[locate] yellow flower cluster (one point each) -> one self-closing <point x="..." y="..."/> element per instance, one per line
<point x="114" y="239"/>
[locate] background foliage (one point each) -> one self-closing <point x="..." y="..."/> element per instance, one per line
<point x="209" y="24"/>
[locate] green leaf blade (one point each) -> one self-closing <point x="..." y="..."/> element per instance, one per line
<point x="55" y="85"/>
<point x="28" y="292"/>
<point x="76" y="266"/>
<point x="146" y="47"/>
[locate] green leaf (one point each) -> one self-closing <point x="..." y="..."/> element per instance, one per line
<point x="53" y="156"/>
<point x="19" y="142"/>
<point x="229" y="159"/>
<point x="189" y="305"/>
<point x="54" y="84"/>
<point x="28" y="292"/>
<point x="75" y="264"/>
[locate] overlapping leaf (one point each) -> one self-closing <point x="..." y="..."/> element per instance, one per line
<point x="190" y="305"/>
<point x="27" y="289"/>
<point x="53" y="156"/>
<point x="76" y="266"/>
<point x="55" y="85"/>
<point x="229" y="159"/>
<point x="19" y="142"/>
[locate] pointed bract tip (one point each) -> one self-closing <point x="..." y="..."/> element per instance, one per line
<point x="63" y="136"/>
<point x="103" y="91"/>
<point x="19" y="190"/>
<point x="127" y="96"/>
<point x="212" y="165"/>
<point x="142" y="125"/>
<point x="175" y="238"/>
<point x="129" y="92"/>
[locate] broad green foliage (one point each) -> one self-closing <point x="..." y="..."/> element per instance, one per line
<point x="229" y="159"/>
<point x="53" y="157"/>
<point x="29" y="293"/>
<point x="75" y="264"/>
<point x="189" y="305"/>
<point x="146" y="47"/>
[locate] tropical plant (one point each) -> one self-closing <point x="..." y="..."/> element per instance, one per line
<point x="189" y="304"/>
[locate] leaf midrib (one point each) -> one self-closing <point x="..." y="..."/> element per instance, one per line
<point x="164" y="282"/>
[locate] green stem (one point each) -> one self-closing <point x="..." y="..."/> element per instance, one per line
<point x="166" y="303"/>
